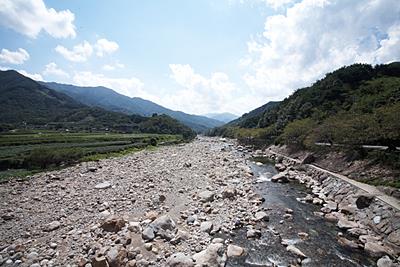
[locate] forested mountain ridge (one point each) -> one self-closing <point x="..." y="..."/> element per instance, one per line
<point x="25" y="103"/>
<point x="110" y="100"/>
<point x="357" y="104"/>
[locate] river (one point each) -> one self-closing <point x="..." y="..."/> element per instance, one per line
<point x="320" y="247"/>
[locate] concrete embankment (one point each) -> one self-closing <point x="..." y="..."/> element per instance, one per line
<point x="368" y="219"/>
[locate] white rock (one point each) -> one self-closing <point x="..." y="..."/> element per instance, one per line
<point x="234" y="251"/>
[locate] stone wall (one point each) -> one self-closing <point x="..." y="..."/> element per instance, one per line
<point x="366" y="222"/>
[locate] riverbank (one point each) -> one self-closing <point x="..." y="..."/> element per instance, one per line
<point x="369" y="216"/>
<point x="193" y="204"/>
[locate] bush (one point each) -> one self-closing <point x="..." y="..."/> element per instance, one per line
<point x="296" y="132"/>
<point x="43" y="158"/>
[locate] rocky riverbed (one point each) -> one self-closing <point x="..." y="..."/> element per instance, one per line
<point x="189" y="205"/>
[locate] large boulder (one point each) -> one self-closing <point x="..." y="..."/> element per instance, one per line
<point x="113" y="224"/>
<point x="364" y="201"/>
<point x="234" y="251"/>
<point x="280" y="178"/>
<point x="163" y="222"/>
<point x="116" y="256"/>
<point x="214" y="255"/>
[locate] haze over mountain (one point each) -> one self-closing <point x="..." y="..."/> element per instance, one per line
<point x="224" y="117"/>
<point x="110" y="100"/>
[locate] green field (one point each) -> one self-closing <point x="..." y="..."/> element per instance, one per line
<point x="25" y="153"/>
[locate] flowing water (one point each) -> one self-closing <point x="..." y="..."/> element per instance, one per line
<point x="321" y="246"/>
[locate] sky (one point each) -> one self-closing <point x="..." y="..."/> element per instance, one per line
<point x="198" y="56"/>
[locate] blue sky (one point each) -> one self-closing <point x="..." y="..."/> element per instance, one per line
<point x="196" y="56"/>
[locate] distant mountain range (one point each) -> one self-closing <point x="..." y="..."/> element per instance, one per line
<point x="110" y="100"/>
<point x="25" y="103"/>
<point x="224" y="117"/>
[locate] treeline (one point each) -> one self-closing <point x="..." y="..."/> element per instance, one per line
<point x="354" y="105"/>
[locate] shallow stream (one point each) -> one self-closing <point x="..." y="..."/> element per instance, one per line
<point x="321" y="246"/>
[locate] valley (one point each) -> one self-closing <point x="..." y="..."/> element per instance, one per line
<point x="201" y="203"/>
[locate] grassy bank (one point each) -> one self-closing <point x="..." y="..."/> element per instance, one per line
<point x="26" y="153"/>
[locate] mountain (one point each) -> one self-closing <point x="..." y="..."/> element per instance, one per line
<point x="354" y="105"/>
<point x="110" y="100"/>
<point x="224" y="117"/>
<point x="25" y="103"/>
<point x="251" y="118"/>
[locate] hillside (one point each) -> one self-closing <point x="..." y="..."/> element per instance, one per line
<point x="25" y="103"/>
<point x="358" y="104"/>
<point x="110" y="100"/>
<point x="337" y="118"/>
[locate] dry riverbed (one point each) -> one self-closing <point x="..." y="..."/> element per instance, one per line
<point x="175" y="206"/>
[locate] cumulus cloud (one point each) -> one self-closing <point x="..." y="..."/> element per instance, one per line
<point x="52" y="69"/>
<point x="110" y="67"/>
<point x="104" y="46"/>
<point x="79" y="53"/>
<point x="276" y="4"/>
<point x="200" y="94"/>
<point x="30" y="17"/>
<point x="127" y="86"/>
<point x="33" y="76"/>
<point x="14" y="57"/>
<point x="314" y="37"/>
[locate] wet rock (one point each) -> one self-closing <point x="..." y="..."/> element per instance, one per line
<point x="253" y="233"/>
<point x="280" y="178"/>
<point x="179" y="260"/>
<point x="234" y="251"/>
<point x="206" y="196"/>
<point x="214" y="255"/>
<point x="348" y="243"/>
<point x="103" y="185"/>
<point x="280" y="167"/>
<point x="261" y="216"/>
<point x="292" y="249"/>
<point x="113" y="224"/>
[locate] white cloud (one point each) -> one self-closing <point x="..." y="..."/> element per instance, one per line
<point x="14" y="57"/>
<point x="33" y="76"/>
<point x="314" y="37"/>
<point x="104" y="46"/>
<point x="79" y="53"/>
<point x="200" y="94"/>
<point x="126" y="86"/>
<point x="52" y="69"/>
<point x="110" y="67"/>
<point x="276" y="4"/>
<point x="30" y="17"/>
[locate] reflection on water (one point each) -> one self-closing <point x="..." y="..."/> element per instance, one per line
<point x="320" y="247"/>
